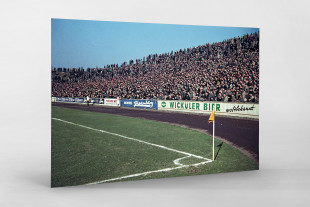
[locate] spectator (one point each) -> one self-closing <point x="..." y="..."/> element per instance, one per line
<point x="224" y="71"/>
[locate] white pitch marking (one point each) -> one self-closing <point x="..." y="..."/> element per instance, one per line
<point x="137" y="140"/>
<point x="149" y="172"/>
<point x="177" y="161"/>
<point x="156" y="145"/>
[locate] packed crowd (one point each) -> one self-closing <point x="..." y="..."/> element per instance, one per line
<point x="225" y="71"/>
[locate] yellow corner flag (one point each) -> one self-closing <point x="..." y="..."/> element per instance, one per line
<point x="211" y="119"/>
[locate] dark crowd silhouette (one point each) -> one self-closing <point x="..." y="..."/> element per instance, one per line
<point x="226" y="71"/>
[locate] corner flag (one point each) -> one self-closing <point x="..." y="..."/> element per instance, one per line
<point x="211" y="119"/>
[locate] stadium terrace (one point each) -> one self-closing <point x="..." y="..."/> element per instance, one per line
<point x="226" y="71"/>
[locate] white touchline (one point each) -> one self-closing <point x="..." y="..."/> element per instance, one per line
<point x="149" y="172"/>
<point x="137" y="140"/>
<point x="156" y="145"/>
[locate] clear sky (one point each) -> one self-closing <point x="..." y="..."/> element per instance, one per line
<point x="84" y="43"/>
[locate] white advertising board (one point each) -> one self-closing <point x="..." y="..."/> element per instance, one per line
<point x="249" y="110"/>
<point x="111" y="102"/>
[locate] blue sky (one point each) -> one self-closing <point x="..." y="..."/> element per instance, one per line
<point x="84" y="43"/>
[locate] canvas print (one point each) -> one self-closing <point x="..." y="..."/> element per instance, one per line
<point x="134" y="101"/>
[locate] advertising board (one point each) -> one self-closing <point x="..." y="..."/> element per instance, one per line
<point x="250" y="110"/>
<point x="69" y="100"/>
<point x="145" y="104"/>
<point x="111" y="102"/>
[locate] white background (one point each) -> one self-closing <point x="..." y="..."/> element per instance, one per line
<point x="25" y="54"/>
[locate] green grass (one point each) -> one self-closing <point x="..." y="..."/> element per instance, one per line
<point x="81" y="156"/>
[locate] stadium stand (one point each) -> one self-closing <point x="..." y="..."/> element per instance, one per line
<point x="226" y="71"/>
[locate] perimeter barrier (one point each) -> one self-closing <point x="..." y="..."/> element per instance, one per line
<point x="246" y="110"/>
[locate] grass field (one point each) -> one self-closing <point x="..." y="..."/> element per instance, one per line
<point x="90" y="147"/>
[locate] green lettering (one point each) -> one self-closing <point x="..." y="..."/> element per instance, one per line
<point x="205" y="106"/>
<point x="171" y="104"/>
<point x="178" y="105"/>
<point x="213" y="106"/>
<point x="218" y="107"/>
<point x="186" y="105"/>
<point x="182" y="105"/>
<point x="197" y="106"/>
<point x="193" y="105"/>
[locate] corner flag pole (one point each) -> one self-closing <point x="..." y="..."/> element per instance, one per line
<point x="212" y="119"/>
<point x="213" y="131"/>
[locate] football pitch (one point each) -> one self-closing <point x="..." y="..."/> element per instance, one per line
<point x="90" y="147"/>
